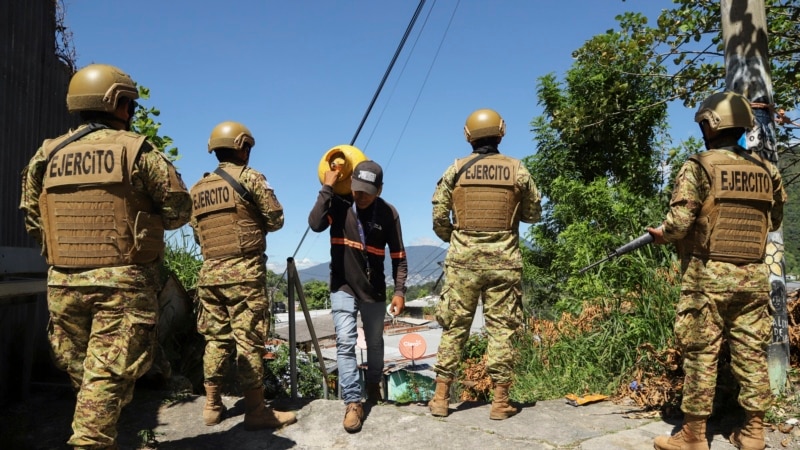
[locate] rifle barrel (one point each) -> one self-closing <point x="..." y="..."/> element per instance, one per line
<point x="594" y="264"/>
<point x="640" y="241"/>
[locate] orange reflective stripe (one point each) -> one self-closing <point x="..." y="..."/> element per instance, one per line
<point x="347" y="242"/>
<point x="376" y="251"/>
<point x="354" y="244"/>
<point x="397" y="255"/>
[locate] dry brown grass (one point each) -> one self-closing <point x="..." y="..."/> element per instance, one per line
<point x="657" y="389"/>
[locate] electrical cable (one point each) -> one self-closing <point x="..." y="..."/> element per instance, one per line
<point x="388" y="70"/>
<point x="372" y="103"/>
<point x="424" y="82"/>
<point x="399" y="77"/>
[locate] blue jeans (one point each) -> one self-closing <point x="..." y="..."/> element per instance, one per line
<point x="345" y="308"/>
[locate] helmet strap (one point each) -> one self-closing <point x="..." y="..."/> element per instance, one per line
<point x="709" y="135"/>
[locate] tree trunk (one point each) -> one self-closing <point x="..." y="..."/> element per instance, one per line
<point x="744" y="29"/>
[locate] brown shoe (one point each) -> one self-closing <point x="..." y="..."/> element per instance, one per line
<point x="258" y="417"/>
<point x="751" y="435"/>
<point x="353" y="417"/>
<point x="214" y="409"/>
<point x="440" y="403"/>
<point x="692" y="436"/>
<point x="501" y="405"/>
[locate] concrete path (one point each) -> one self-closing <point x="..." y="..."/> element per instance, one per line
<point x="44" y="423"/>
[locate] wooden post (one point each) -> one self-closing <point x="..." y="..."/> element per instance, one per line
<point x="744" y="29"/>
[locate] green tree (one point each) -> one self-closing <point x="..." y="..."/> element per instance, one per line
<point x="317" y="294"/>
<point x="277" y="286"/>
<point x="422" y="290"/>
<point x="690" y="37"/>
<point x="600" y="143"/>
<point x="688" y="41"/>
<point x="143" y="122"/>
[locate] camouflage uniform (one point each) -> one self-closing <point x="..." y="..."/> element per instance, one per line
<point x="234" y="309"/>
<point x="720" y="299"/>
<point x="479" y="265"/>
<point x="103" y="320"/>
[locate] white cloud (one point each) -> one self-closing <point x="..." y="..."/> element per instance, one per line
<point x="426" y="241"/>
<point x="299" y="264"/>
<point x="276" y="268"/>
<point x="305" y="263"/>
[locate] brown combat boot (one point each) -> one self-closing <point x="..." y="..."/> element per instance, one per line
<point x="353" y="417"/>
<point x="374" y="395"/>
<point x="258" y="417"/>
<point x="440" y="403"/>
<point x="691" y="437"/>
<point x="751" y="436"/>
<point x="214" y="408"/>
<point x="501" y="405"/>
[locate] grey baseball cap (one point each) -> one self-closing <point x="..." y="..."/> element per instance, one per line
<point x="367" y="177"/>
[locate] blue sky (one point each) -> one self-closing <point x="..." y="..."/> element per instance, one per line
<point x="301" y="74"/>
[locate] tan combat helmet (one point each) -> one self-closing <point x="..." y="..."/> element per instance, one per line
<point x="725" y="110"/>
<point x="230" y="135"/>
<point x="99" y="87"/>
<point x="484" y="123"/>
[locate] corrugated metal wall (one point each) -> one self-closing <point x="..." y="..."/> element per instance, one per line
<point x="33" y="89"/>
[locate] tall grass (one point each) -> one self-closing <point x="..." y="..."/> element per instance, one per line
<point x="598" y="347"/>
<point x="182" y="257"/>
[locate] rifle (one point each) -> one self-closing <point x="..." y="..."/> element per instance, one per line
<point x="640" y="241"/>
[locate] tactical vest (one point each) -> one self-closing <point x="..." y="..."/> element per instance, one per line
<point x="733" y="222"/>
<point x="485" y="196"/>
<point x="227" y="225"/>
<point x="92" y="215"/>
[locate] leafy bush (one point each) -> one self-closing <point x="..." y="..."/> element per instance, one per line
<point x="317" y="294"/>
<point x="475" y="347"/>
<point x="417" y="389"/>
<point x="277" y="377"/>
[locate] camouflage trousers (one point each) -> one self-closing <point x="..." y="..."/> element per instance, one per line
<point x="703" y="320"/>
<point x="104" y="338"/>
<point x="234" y="318"/>
<point x="501" y="293"/>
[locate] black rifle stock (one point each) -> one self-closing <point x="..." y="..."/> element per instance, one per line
<point x="640" y="241"/>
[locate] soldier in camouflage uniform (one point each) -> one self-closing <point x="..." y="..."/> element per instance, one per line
<point x="98" y="200"/>
<point x="724" y="203"/>
<point x="233" y="209"/>
<point x="487" y="194"/>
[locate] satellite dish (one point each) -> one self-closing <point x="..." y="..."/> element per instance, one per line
<point x="361" y="340"/>
<point x="412" y="346"/>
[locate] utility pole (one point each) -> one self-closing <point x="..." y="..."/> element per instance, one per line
<point x="744" y="29"/>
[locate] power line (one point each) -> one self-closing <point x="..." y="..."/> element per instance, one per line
<point x="374" y="98"/>
<point x="399" y="76"/>
<point x="388" y="70"/>
<point x="424" y="82"/>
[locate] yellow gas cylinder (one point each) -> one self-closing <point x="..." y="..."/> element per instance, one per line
<point x="343" y="158"/>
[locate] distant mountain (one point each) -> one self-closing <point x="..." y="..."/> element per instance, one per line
<point x="423" y="266"/>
